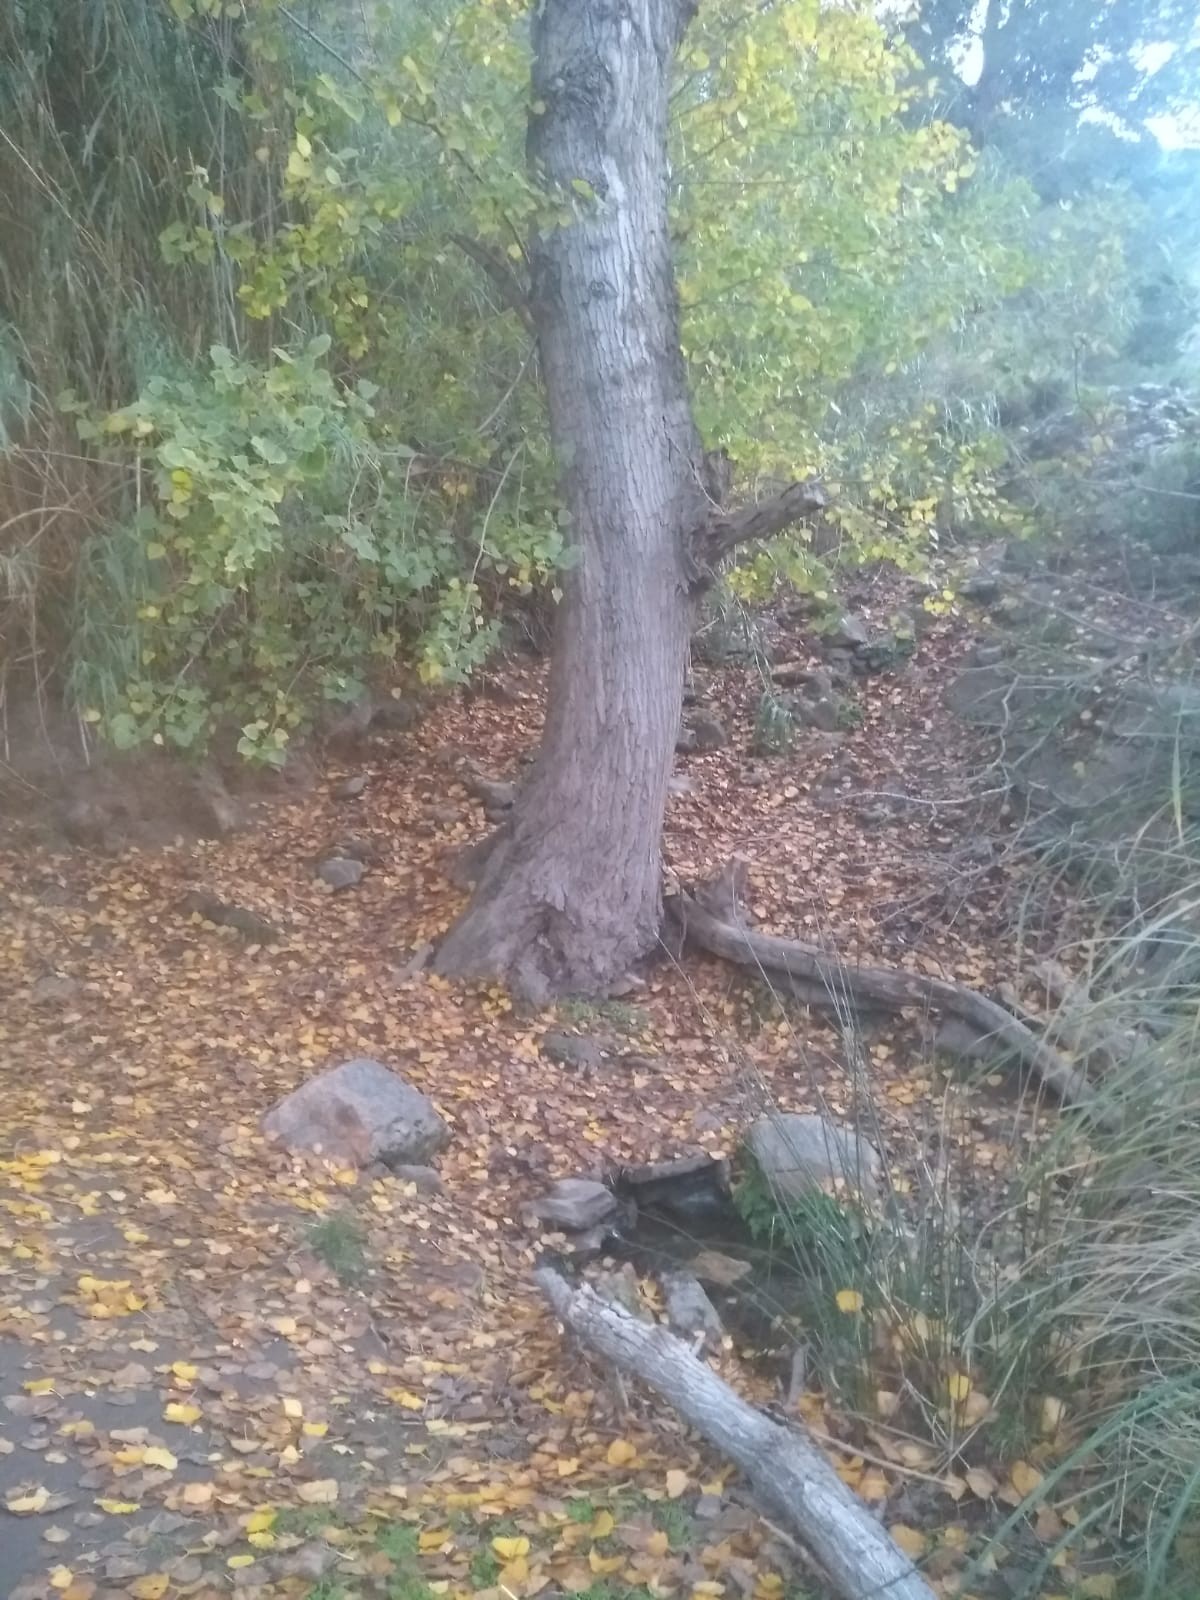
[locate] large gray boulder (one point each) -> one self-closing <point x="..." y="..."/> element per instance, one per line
<point x="798" y="1152"/>
<point x="360" y="1112"/>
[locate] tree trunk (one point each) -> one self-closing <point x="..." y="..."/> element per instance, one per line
<point x="569" y="895"/>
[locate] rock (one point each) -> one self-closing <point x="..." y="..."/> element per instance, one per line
<point x="690" y="1189"/>
<point x="394" y="715"/>
<point x="361" y="1112"/>
<point x="824" y="714"/>
<point x="714" y="1266"/>
<point x="709" y="731"/>
<point x="427" y="1179"/>
<point x="798" y="1152"/>
<point x="350" y="788"/>
<point x="577" y="1051"/>
<point x="848" y="633"/>
<point x="198" y="903"/>
<point x="575" y="1204"/>
<point x="340" y="872"/>
<point x="984" y="587"/>
<point x="962" y="1042"/>
<point x="55" y="989"/>
<point x="689" y="1310"/>
<point x="681" y="785"/>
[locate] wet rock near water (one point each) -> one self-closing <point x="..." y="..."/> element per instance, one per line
<point x="689" y="1310"/>
<point x="359" y="1112"/>
<point x="576" y="1204"/>
<point x="799" y="1152"/>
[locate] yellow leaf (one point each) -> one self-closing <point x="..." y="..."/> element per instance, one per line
<point x="260" y="1521"/>
<point x="61" y="1578"/>
<point x="621" y="1453"/>
<point x="38" y="1386"/>
<point x="677" y="1482"/>
<point x="567" y="1465"/>
<point x="315" y="1430"/>
<point x="181" y="1411"/>
<point x="658" y="1544"/>
<point x="398" y="1491"/>
<point x="184" y="1371"/>
<point x="981" y="1483"/>
<point x="873" y="1486"/>
<point x="433" y="1539"/>
<point x="602" y="1525"/>
<point x="320" y="1492"/>
<point x="197" y="1494"/>
<point x="1099" y="1586"/>
<point x="1025" y="1478"/>
<point x="848" y="1300"/>
<point x="959" y="1386"/>
<point x="240" y="1561"/>
<point x="910" y="1540"/>
<point x="150" y="1587"/>
<point x="292" y="1408"/>
<point x="605" y="1564"/>
<point x="79" y="1429"/>
<point x="156" y="1456"/>
<point x="406" y="1398"/>
<point x="511" y="1549"/>
<point x="1052" y="1414"/>
<point x="28" y="1505"/>
<point x="284" y="1325"/>
<point x="119" y="1508"/>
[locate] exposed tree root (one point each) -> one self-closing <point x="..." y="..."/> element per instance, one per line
<point x="713" y="921"/>
<point x="790" y="1475"/>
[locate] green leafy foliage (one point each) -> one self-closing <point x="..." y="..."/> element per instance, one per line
<point x="295" y="347"/>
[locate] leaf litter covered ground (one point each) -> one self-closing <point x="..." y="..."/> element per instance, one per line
<point x="221" y="1369"/>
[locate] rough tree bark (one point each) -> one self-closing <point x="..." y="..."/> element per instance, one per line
<point x="568" y="892"/>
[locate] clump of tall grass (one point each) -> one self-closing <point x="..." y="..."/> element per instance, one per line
<point x="1048" y="1322"/>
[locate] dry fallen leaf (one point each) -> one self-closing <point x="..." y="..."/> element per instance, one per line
<point x="677" y="1482"/>
<point x="319" y="1492"/>
<point x="621" y="1453"/>
<point x="910" y="1540"/>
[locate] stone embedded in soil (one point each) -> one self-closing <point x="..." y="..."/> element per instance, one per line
<point x="359" y="1112"/>
<point x="426" y="1179"/>
<point x="350" y="788"/>
<point x="798" y="1152"/>
<point x="575" y="1204"/>
<point x="578" y="1051"/>
<point x="689" y="1310"/>
<point x="714" y="1266"/>
<point x="55" y="989"/>
<point x="340" y="872"/>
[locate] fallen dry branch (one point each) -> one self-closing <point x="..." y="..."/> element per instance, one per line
<point x="712" y="922"/>
<point x="789" y="1474"/>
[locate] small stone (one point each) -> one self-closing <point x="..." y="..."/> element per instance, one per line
<point x="575" y="1204"/>
<point x="848" y="633"/>
<point x="350" y="788"/>
<point x="714" y="1266"/>
<point x="55" y="989"/>
<point x="359" y="1111"/>
<point x="427" y="1179"/>
<point x="709" y="731"/>
<point x="682" y="785"/>
<point x="577" y="1051"/>
<point x="798" y="1152"/>
<point x="340" y="872"/>
<point x="689" y="1310"/>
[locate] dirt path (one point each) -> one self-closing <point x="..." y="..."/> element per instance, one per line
<point x="222" y="1370"/>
